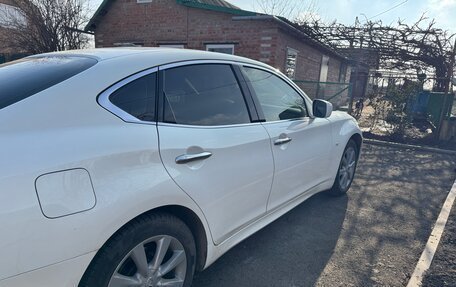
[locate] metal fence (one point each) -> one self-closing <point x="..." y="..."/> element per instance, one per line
<point x="339" y="94"/>
<point x="400" y="107"/>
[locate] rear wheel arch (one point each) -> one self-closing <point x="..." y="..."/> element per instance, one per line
<point x="187" y="216"/>
<point x="195" y="225"/>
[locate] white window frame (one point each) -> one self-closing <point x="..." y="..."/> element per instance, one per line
<point x="220" y="46"/>
<point x="291" y="51"/>
<point x="177" y="46"/>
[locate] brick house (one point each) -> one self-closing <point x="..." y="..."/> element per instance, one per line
<point x="216" y="25"/>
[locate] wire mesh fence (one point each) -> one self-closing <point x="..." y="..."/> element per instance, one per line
<point x="339" y="94"/>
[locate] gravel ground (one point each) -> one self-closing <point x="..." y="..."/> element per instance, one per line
<point x="372" y="237"/>
<point x="443" y="268"/>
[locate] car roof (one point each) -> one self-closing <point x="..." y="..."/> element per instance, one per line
<point x="157" y="55"/>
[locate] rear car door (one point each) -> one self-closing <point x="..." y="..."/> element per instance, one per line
<point x="210" y="146"/>
<point x="300" y="144"/>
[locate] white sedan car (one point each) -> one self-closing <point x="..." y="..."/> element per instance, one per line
<point x="138" y="167"/>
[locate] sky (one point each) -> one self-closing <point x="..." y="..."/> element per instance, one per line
<point x="345" y="11"/>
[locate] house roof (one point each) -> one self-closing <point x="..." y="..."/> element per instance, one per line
<point x="215" y="5"/>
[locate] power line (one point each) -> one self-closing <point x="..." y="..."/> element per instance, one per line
<point x="386" y="11"/>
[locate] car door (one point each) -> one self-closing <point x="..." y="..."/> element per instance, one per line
<point x="300" y="144"/>
<point x="211" y="148"/>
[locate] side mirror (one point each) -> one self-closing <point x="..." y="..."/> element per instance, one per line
<point x="322" y="109"/>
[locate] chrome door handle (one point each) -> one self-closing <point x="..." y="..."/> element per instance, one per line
<point x="186" y="158"/>
<point x="282" y="141"/>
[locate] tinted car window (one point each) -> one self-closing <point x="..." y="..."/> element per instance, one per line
<point x="26" y="77"/>
<point x="137" y="97"/>
<point x="205" y="95"/>
<point x="278" y="100"/>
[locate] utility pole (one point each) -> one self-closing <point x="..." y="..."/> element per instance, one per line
<point x="447" y="90"/>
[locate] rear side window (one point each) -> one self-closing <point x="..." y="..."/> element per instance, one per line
<point x="204" y="95"/>
<point x="137" y="97"/>
<point x="26" y="77"/>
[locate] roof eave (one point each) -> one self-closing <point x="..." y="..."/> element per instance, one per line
<point x="228" y="10"/>
<point x="97" y="13"/>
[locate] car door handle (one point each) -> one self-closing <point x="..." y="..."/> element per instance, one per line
<point x="186" y="158"/>
<point x="282" y="141"/>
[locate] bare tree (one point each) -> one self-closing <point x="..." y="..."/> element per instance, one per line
<point x="39" y="26"/>
<point x="291" y="9"/>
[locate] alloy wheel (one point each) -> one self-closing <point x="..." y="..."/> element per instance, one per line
<point x="347" y="168"/>
<point x="157" y="261"/>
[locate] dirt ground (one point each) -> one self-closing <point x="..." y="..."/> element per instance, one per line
<point x="372" y="237"/>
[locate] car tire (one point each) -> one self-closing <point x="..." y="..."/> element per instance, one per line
<point x="346" y="170"/>
<point x="151" y="249"/>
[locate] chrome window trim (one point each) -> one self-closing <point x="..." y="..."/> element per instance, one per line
<point x="197" y="62"/>
<point x="104" y="101"/>
<point x="208" y="127"/>
<point x="202" y="62"/>
<point x="307" y="100"/>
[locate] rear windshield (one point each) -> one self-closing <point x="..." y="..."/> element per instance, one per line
<point x="26" y="77"/>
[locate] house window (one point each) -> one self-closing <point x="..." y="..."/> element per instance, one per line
<point x="292" y="58"/>
<point x="128" y="44"/>
<point x="178" y="46"/>
<point x="221" y="48"/>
